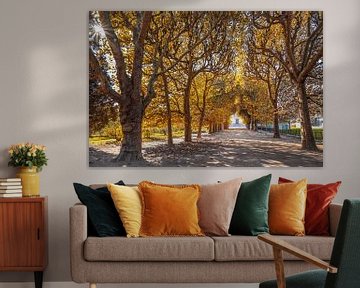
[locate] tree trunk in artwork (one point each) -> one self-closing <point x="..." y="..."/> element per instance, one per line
<point x="255" y="125"/>
<point x="131" y="116"/>
<point x="130" y="99"/>
<point x="201" y="121"/>
<point x="187" y="112"/>
<point x="211" y="128"/>
<point x="252" y="123"/>
<point x="276" y="124"/>
<point x="169" y="124"/>
<point x="307" y="136"/>
<point x="214" y="128"/>
<point x="168" y="111"/>
<point x="202" y="117"/>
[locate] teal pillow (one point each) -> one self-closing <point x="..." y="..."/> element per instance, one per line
<point x="250" y="216"/>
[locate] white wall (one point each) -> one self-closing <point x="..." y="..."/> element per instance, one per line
<point x="43" y="90"/>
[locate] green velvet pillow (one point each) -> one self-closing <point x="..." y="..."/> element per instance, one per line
<point x="250" y="216"/>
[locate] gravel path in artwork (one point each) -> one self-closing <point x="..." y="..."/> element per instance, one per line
<point x="229" y="148"/>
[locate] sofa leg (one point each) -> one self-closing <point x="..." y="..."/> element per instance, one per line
<point x="92" y="285"/>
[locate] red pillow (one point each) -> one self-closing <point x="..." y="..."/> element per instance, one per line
<point x="319" y="197"/>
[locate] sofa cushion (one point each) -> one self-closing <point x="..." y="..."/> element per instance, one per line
<point x="216" y="205"/>
<point x="103" y="218"/>
<point x="244" y="248"/>
<point x="287" y="204"/>
<point x="149" y="249"/>
<point x="127" y="201"/>
<point x="250" y="215"/>
<point x="169" y="210"/>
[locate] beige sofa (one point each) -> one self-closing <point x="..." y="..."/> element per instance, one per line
<point x="234" y="259"/>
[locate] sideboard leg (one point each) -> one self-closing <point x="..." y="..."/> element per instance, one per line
<point x="92" y="285"/>
<point x="38" y="279"/>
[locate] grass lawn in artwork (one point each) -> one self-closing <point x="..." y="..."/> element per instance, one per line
<point x="206" y="88"/>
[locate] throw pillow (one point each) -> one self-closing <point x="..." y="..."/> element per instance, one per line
<point x="127" y="201"/>
<point x="169" y="210"/>
<point x="102" y="215"/>
<point x="319" y="197"/>
<point x="250" y="215"/>
<point x="287" y="204"/>
<point x="216" y="206"/>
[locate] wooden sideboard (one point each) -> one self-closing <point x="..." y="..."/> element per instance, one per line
<point x="23" y="235"/>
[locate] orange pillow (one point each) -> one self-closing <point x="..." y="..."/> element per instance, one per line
<point x="287" y="204"/>
<point x="169" y="210"/>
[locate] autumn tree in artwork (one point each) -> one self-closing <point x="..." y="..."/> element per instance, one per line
<point x="126" y="35"/>
<point x="203" y="89"/>
<point x="206" y="46"/>
<point x="299" y="50"/>
<point x="266" y="68"/>
<point x="254" y="104"/>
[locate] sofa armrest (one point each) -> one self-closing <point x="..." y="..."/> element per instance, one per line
<point x="334" y="216"/>
<point x="78" y="235"/>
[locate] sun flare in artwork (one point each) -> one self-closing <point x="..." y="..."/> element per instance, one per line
<point x="96" y="32"/>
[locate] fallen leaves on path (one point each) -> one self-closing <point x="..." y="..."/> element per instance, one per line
<point x="229" y="148"/>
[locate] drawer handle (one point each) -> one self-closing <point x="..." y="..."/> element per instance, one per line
<point x="38" y="234"/>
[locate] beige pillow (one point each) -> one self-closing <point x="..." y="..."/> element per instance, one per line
<point x="216" y="206"/>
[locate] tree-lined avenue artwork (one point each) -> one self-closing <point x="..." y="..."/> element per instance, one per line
<point x="206" y="88"/>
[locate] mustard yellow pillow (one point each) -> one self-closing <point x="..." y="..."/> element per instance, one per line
<point x="287" y="204"/>
<point x="169" y="210"/>
<point x="127" y="201"/>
